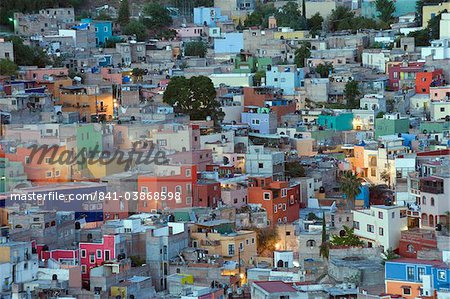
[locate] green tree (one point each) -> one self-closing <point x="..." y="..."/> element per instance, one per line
<point x="324" y="249"/>
<point x="341" y="19"/>
<point x="419" y="6"/>
<point x="380" y="114"/>
<point x="197" y="48"/>
<point x="137" y="28"/>
<point x="389" y="255"/>
<point x="325" y="69"/>
<point x="315" y="24"/>
<point x="257" y="78"/>
<point x="124" y="13"/>
<point x="156" y="17"/>
<point x="260" y="16"/>
<point x="290" y="16"/>
<point x="386" y="9"/>
<point x="138" y="73"/>
<point x="294" y="169"/>
<point x="8" y="68"/>
<point x="302" y="53"/>
<point x="350" y="185"/>
<point x="195" y="96"/>
<point x="352" y="93"/>
<point x="28" y="55"/>
<point x="347" y="239"/>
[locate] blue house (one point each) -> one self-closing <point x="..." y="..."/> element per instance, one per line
<point x="103" y="30"/>
<point x="285" y="77"/>
<point x="260" y="120"/>
<point x="70" y="196"/>
<point x="414" y="278"/>
<point x="232" y="42"/>
<point x="208" y="16"/>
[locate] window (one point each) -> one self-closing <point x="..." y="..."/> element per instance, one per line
<point x="231" y="249"/>
<point x="406" y="291"/>
<point x="410" y="248"/>
<point x="188" y="173"/>
<point x="442" y="275"/>
<point x="356" y="225"/>
<point x="381" y="231"/>
<point x="91" y="258"/>
<point x="105" y="29"/>
<point x="83" y="269"/>
<point x="241" y="246"/>
<point x="144" y="189"/>
<point x="393" y="215"/>
<point x="420" y="273"/>
<point x="310" y="243"/>
<point x="188" y="200"/>
<point x="188" y="187"/>
<point x="178" y="189"/>
<point x="83" y="253"/>
<point x="403" y="213"/>
<point x="260" y="165"/>
<point x="370" y="228"/>
<point x="253" y="240"/>
<point x="275" y="208"/>
<point x="432" y="201"/>
<point x="255" y="122"/>
<point x="99" y="254"/>
<point x="283" y="192"/>
<point x="442" y="109"/>
<point x="266" y="195"/>
<point x="424" y="200"/>
<point x="380" y="215"/>
<point x="164" y="189"/>
<point x="57" y="173"/>
<point x="162" y="142"/>
<point x="48" y="174"/>
<point x="410" y="273"/>
<point x="27" y="160"/>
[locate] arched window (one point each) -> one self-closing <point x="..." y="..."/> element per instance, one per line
<point x="54" y="277"/>
<point x="178" y="189"/>
<point x="410" y="248"/>
<point x="311" y="243"/>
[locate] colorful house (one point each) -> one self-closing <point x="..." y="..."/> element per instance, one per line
<point x="95" y="253"/>
<point x="280" y="199"/>
<point x="337" y="122"/>
<point x="391" y="124"/>
<point x="402" y="75"/>
<point x="413" y="278"/>
<point x="427" y="79"/>
<point x="103" y="30"/>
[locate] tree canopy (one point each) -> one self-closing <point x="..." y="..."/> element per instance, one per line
<point x="156" y="17"/>
<point x="197" y="48"/>
<point x="294" y="169"/>
<point x="386" y="9"/>
<point x="342" y="18"/>
<point x="350" y="185"/>
<point x="324" y="69"/>
<point x="347" y="239"/>
<point x="302" y="53"/>
<point x="260" y="16"/>
<point x="352" y="93"/>
<point x="28" y="55"/>
<point x="195" y="96"/>
<point x="315" y="24"/>
<point x="8" y="68"/>
<point x="136" y="27"/>
<point x="124" y="13"/>
<point x="266" y="240"/>
<point x="290" y="16"/>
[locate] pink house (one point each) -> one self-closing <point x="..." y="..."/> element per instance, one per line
<point x="94" y="254"/>
<point x="440" y="93"/>
<point x="43" y="74"/>
<point x="189" y="32"/>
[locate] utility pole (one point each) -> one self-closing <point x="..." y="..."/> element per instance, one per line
<point x="239" y="265"/>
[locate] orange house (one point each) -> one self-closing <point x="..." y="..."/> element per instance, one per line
<point x="88" y="101"/>
<point x="426" y="79"/>
<point x="279" y="199"/>
<point x="43" y="172"/>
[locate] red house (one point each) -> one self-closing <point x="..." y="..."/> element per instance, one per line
<point x="209" y="193"/>
<point x="415" y="240"/>
<point x="280" y="199"/>
<point x="65" y="256"/>
<point x="178" y="180"/>
<point x="94" y="254"/>
<point x="426" y="79"/>
<point x="269" y="96"/>
<point x="402" y="75"/>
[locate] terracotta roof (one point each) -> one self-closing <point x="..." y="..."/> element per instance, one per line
<point x="275" y="286"/>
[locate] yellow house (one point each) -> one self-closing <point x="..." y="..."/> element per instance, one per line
<point x="299" y="34"/>
<point x="217" y="237"/>
<point x="429" y="11"/>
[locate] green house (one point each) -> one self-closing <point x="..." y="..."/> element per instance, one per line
<point x="391" y="124"/>
<point x="336" y="122"/>
<point x="245" y="62"/>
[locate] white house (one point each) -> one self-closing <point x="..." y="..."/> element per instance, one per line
<point x="380" y="225"/>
